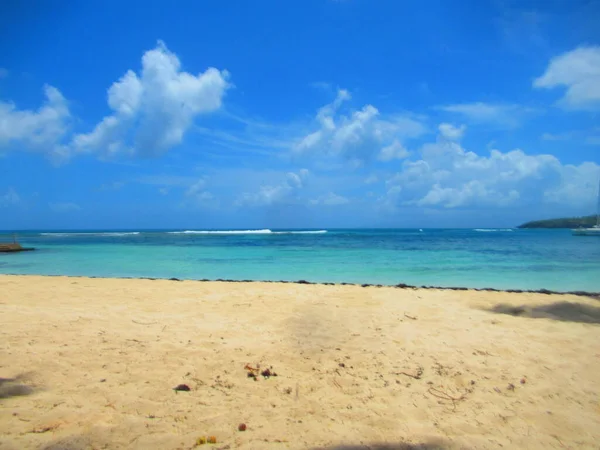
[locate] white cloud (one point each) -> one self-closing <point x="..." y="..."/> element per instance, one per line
<point x="556" y="136"/>
<point x="497" y="114"/>
<point x="449" y="176"/>
<point x="330" y="199"/>
<point x="41" y="130"/>
<point x="266" y="195"/>
<point x="297" y="180"/>
<point x="163" y="191"/>
<point x="576" y="185"/>
<point x="579" y="72"/>
<point x="358" y="135"/>
<point x="587" y="137"/>
<point x="470" y="193"/>
<point x="10" y="198"/>
<point x="450" y="132"/>
<point x="393" y="151"/>
<point x="64" y="207"/>
<point x="3" y="72"/>
<point x="284" y="192"/>
<point x="153" y="110"/>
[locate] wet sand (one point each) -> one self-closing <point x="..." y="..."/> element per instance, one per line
<point x="92" y="363"/>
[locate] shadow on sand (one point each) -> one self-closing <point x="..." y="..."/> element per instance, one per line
<point x="83" y="442"/>
<point x="565" y="311"/>
<point x="15" y="387"/>
<point x="433" y="445"/>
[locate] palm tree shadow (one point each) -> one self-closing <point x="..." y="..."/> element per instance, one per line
<point x="15" y="387"/>
<point x="564" y="311"/>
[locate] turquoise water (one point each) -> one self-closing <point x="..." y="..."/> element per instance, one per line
<point x="502" y="258"/>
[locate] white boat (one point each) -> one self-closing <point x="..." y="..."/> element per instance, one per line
<point x="595" y="230"/>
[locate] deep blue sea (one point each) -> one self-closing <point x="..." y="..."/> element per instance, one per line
<point x="495" y="258"/>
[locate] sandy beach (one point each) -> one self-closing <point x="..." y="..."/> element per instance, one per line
<point x="92" y="363"/>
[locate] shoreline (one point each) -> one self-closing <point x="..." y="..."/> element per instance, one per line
<point x="137" y="364"/>
<point x="594" y="295"/>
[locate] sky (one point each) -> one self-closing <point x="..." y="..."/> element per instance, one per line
<point x="297" y="114"/>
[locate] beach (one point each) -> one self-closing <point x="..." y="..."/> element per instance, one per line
<point x="93" y="362"/>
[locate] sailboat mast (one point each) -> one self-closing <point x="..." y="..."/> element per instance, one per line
<point x="598" y="207"/>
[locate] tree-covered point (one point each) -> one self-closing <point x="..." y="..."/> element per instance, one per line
<point x="566" y="222"/>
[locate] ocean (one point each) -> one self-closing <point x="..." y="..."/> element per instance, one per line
<point x="476" y="258"/>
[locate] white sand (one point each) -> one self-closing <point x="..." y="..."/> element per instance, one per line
<point x="102" y="356"/>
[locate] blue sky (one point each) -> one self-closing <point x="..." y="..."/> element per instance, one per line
<point x="313" y="113"/>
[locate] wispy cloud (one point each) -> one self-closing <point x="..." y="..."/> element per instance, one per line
<point x="284" y="192"/>
<point x="322" y="85"/>
<point x="578" y="71"/>
<point x="64" y="207"/>
<point x="496" y="114"/>
<point x="112" y="186"/>
<point x="557" y="136"/>
<point x="10" y="198"/>
<point x="521" y="30"/>
<point x="588" y="137"/>
<point x="593" y="140"/>
<point x="166" y="180"/>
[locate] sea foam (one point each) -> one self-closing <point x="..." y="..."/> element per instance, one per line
<point x="129" y="233"/>
<point x="263" y="231"/>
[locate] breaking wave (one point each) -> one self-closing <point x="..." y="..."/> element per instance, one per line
<point x="491" y="230"/>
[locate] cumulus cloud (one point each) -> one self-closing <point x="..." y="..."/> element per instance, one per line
<point x="579" y="72"/>
<point x="64" y="207"/>
<point x="10" y="198"/>
<point x="393" y="151"/>
<point x="330" y="199"/>
<point x="41" y="130"/>
<point x="471" y="193"/>
<point x="450" y="132"/>
<point x="153" y="110"/>
<point x="449" y="176"/>
<point x="357" y="135"/>
<point x="280" y="193"/>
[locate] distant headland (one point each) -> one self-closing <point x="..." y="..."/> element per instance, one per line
<point x="566" y="222"/>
